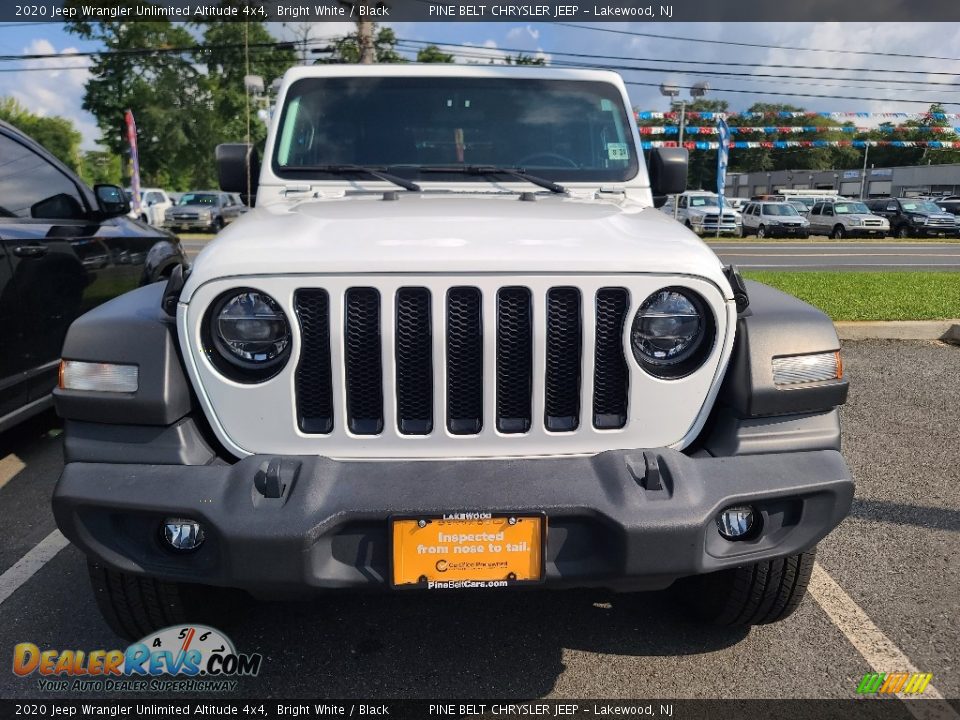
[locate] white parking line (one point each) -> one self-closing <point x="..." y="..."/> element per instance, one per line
<point x="27" y="566"/>
<point x="875" y="647"/>
<point x="9" y="467"/>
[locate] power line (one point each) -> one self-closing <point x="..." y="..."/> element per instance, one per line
<point x="758" y="77"/>
<point x="698" y="63"/>
<point x="756" y="45"/>
<point x="801" y="95"/>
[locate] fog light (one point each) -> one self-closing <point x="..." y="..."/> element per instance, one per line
<point x="182" y="535"/>
<point x="735" y="522"/>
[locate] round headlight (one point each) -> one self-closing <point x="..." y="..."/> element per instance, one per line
<point x="249" y="330"/>
<point x="672" y="333"/>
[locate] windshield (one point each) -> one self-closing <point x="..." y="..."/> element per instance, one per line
<point x="198" y="199"/>
<point x="772" y="209"/>
<point x="922" y="206"/>
<point x="556" y="129"/>
<point x="703" y="201"/>
<point x="850" y="208"/>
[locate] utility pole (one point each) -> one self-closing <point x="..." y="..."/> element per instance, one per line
<point x="360" y="10"/>
<point x="863" y="176"/>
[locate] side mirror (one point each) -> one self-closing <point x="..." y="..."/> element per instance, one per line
<point x="237" y="165"/>
<point x="667" y="168"/>
<point x="112" y="200"/>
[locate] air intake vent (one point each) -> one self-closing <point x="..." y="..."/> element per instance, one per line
<point x="562" y="383"/>
<point x="610" y="376"/>
<point x="363" y="372"/>
<point x="314" y="388"/>
<point x="414" y="357"/>
<point x="464" y="361"/>
<point x="514" y="360"/>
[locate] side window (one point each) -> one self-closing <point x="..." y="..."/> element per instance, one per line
<point x="683" y="201"/>
<point x="816" y="210"/>
<point x="30" y="187"/>
<point x="892" y="207"/>
<point x="827" y="210"/>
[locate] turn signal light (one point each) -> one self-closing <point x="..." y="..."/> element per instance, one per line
<point x="98" y="377"/>
<point x="816" y="367"/>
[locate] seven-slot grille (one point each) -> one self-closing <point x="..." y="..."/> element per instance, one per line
<point x="558" y="315"/>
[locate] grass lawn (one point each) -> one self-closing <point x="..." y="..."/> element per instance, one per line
<point x="872" y="295"/>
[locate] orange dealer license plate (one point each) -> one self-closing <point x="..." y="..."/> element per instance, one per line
<point x="467" y="550"/>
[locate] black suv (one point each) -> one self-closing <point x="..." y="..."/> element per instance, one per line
<point x="913" y="217"/>
<point x="63" y="250"/>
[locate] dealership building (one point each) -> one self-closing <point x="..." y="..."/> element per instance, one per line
<point x="905" y="181"/>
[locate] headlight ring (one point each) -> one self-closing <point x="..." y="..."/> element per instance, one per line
<point x="673" y="333"/>
<point x="246" y="335"/>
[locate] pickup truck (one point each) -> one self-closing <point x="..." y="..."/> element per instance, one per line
<point x="453" y="345"/>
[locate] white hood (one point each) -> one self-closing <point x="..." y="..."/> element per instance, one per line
<point x="454" y="233"/>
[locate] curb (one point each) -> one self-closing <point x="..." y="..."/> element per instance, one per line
<point x="946" y="330"/>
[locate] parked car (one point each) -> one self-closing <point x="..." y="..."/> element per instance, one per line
<point x="950" y="205"/>
<point x="801" y="206"/>
<point x="700" y="212"/>
<point x="64" y="249"/>
<point x="154" y="202"/>
<point x="204" y="210"/>
<point x="846" y="218"/>
<point x="441" y="372"/>
<point x="737" y="204"/>
<point x="912" y="217"/>
<point x="773" y="219"/>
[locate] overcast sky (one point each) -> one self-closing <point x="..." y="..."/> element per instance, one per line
<point x="60" y="92"/>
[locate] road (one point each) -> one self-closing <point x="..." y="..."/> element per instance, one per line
<point x="799" y="255"/>
<point x="824" y="255"/>
<point x="894" y="558"/>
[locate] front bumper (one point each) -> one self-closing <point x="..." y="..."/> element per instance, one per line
<point x="607" y="524"/>
<point x="880" y="232"/>
<point x="788" y="230"/>
<point x="186" y="225"/>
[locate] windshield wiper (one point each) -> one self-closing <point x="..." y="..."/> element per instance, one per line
<point x="518" y="173"/>
<point x="364" y="169"/>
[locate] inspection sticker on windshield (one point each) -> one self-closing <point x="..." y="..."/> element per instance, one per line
<point x="618" y="151"/>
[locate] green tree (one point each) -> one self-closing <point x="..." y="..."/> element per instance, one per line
<point x="101" y="166"/>
<point x="522" y="59"/>
<point x="433" y="54"/>
<point x="168" y="94"/>
<point x="56" y="134"/>
<point x="347" y="48"/>
<point x="226" y="66"/>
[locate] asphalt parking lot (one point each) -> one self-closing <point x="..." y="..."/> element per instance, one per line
<point x="894" y="559"/>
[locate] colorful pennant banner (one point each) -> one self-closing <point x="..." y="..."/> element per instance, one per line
<point x="791" y="130"/>
<point x="783" y="144"/>
<point x="747" y="115"/>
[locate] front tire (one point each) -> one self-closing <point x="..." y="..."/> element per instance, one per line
<point x="135" y="606"/>
<point x="902" y="232"/>
<point x="839" y="233"/>
<point x="761" y="232"/>
<point x="758" y="594"/>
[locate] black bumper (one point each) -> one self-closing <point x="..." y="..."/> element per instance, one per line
<point x="329" y="529"/>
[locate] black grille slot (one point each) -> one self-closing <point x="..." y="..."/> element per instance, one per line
<point x="363" y="371"/>
<point x="514" y="360"/>
<point x="564" y="347"/>
<point x="414" y="354"/>
<point x="610" y="378"/>
<point x="313" y="379"/>
<point x="464" y="361"/>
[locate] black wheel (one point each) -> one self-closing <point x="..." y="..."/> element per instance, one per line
<point x="804" y="236"/>
<point x="743" y="231"/>
<point x="761" y="232"/>
<point x="135" y="606"/>
<point x="758" y="594"/>
<point x="838" y="232"/>
<point x="218" y="224"/>
<point x="902" y="232"/>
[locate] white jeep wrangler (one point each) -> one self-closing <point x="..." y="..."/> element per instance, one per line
<point x="453" y="346"/>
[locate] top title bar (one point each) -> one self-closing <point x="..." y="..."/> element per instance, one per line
<point x="579" y="11"/>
